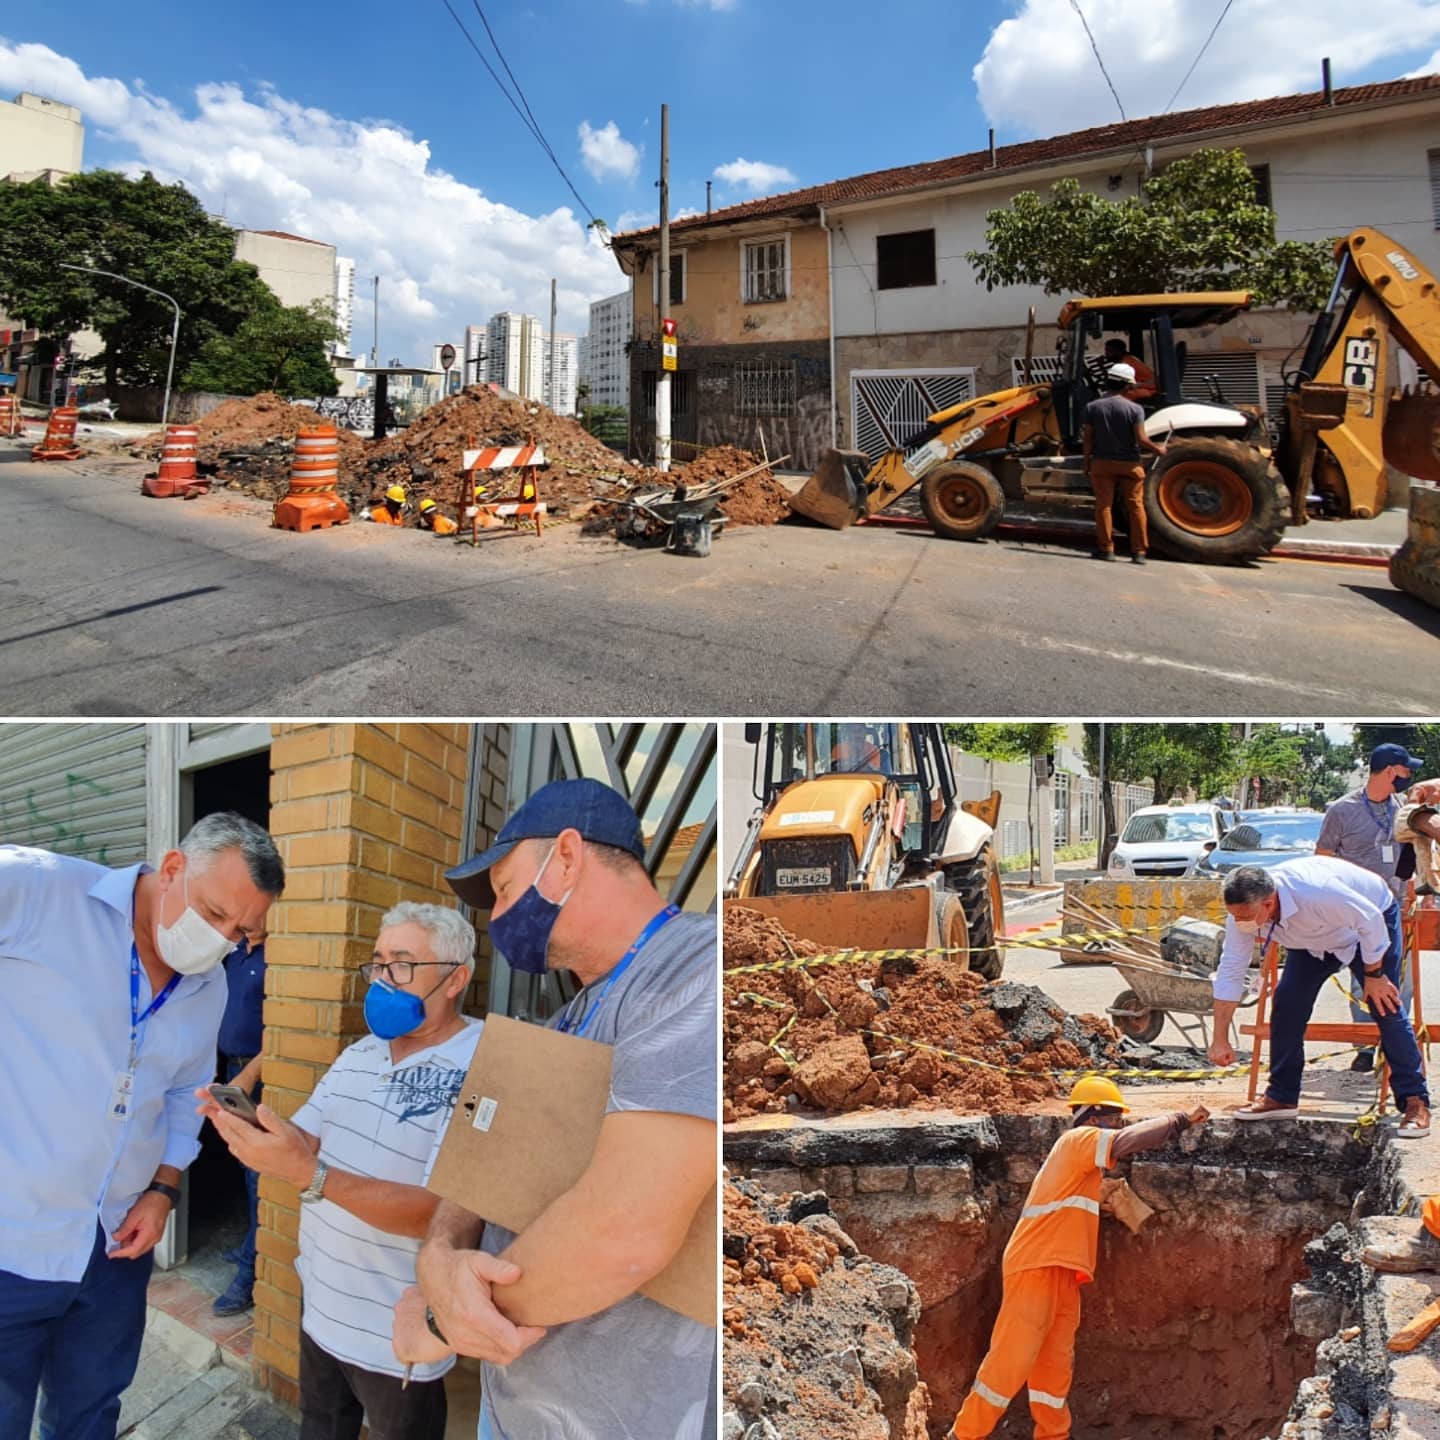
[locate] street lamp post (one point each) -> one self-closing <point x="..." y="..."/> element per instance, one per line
<point x="174" y="329"/>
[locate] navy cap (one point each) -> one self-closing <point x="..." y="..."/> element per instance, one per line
<point x="1383" y="756"/>
<point x="595" y="810"/>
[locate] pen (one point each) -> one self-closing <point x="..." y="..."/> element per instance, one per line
<point x="409" y="1367"/>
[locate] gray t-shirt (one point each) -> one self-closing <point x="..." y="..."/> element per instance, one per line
<point x="636" y="1371"/>
<point x="1356" y="827"/>
<point x="1113" y="419"/>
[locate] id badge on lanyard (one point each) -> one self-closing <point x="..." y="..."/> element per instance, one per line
<point x="123" y="1094"/>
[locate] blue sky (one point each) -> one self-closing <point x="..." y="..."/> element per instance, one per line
<point x="373" y="126"/>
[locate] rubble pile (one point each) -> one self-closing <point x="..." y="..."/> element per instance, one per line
<point x="842" y="1037"/>
<point x="818" y="1337"/>
<point x="758" y="499"/>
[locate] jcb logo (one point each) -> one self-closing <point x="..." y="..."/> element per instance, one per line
<point x="1360" y="358"/>
<point x="968" y="438"/>
<point x="1402" y="263"/>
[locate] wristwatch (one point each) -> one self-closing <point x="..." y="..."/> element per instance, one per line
<point x="170" y="1192"/>
<point x="316" y="1188"/>
<point x="1376" y="973"/>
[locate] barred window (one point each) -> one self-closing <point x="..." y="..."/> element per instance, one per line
<point x="765" y="387"/>
<point x="765" y="271"/>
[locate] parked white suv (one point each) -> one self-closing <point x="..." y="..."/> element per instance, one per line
<point x="1162" y="840"/>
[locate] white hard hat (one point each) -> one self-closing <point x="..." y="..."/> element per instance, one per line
<point x="1121" y="372"/>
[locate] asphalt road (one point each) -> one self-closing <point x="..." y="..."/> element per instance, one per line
<point x="112" y="604"/>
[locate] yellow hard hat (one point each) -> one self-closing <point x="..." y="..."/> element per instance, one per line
<point x="427" y="504"/>
<point x="528" y="492"/>
<point x="1096" y="1090"/>
<point x="396" y="493"/>
<point x="481" y="490"/>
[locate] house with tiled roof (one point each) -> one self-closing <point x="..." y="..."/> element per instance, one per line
<point x="845" y="312"/>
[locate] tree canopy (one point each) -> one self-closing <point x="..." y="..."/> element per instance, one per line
<point x="1198" y="226"/>
<point x="999" y="740"/>
<point x="277" y="347"/>
<point x="156" y="234"/>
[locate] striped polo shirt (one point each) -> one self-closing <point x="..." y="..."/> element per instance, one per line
<point x="378" y="1119"/>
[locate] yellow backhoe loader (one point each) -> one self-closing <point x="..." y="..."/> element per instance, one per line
<point x="1227" y="487"/>
<point x="859" y="842"/>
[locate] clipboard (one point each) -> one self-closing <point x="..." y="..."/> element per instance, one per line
<point x="524" y="1129"/>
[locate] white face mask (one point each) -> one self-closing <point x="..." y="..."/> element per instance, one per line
<point x="191" y="945"/>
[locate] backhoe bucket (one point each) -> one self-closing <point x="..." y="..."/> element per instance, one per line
<point x="1411" y="439"/>
<point x="831" y="495"/>
<point x="855" y="919"/>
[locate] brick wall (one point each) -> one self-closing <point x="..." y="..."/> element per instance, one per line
<point x="365" y="815"/>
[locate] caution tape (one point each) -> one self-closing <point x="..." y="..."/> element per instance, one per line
<point x="1074" y="940"/>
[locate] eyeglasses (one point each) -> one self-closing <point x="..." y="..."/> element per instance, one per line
<point x="397" y="972"/>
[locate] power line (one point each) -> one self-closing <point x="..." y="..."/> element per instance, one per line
<point x="520" y="92"/>
<point x="526" y="120"/>
<point x="1075" y="6"/>
<point x="1198" y="57"/>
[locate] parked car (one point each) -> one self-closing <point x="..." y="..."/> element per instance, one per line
<point x="1263" y="838"/>
<point x="1167" y="839"/>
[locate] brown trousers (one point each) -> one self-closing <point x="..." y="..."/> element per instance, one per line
<point x="1129" y="477"/>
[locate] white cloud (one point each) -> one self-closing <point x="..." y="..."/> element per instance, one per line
<point x="448" y="255"/>
<point x="1430" y="67"/>
<point x="1039" y="77"/>
<point x="606" y="152"/>
<point x="754" y="175"/>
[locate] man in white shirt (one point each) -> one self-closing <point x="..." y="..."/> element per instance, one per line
<point x="112" y="1000"/>
<point x="357" y="1152"/>
<point x="1328" y="915"/>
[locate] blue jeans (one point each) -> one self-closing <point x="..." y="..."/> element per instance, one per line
<point x="234" y="1064"/>
<point x="1300" y="982"/>
<point x="1360" y="1012"/>
<point x="76" y="1342"/>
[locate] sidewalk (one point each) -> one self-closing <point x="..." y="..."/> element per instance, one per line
<point x="1020" y="896"/>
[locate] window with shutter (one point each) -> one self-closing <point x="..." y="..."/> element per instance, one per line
<point x="1435" y="187"/>
<point x="765" y="271"/>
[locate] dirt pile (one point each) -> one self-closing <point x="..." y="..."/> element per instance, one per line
<point x="818" y="1338"/>
<point x="247" y="444"/>
<point x="840" y="1037"/>
<point x="758" y="499"/>
<point x="425" y="457"/>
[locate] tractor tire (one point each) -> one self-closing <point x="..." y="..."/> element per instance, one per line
<point x="977" y="883"/>
<point x="1216" y="501"/>
<point x="962" y="501"/>
<point x="952" y="927"/>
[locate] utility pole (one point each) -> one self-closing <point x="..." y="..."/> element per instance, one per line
<point x="375" y="346"/>
<point x="662" y="375"/>
<point x="1101" y="829"/>
<point x="554" y="398"/>
<point x="1045" y="817"/>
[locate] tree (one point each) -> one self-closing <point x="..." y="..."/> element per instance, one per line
<point x="1173" y="758"/>
<point x="998" y="740"/>
<point x="1422" y="739"/>
<point x="1275" y="759"/>
<point x="277" y="347"/>
<point x="157" y="234"/>
<point x="1199" y="226"/>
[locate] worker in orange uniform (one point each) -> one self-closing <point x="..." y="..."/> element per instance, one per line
<point x="392" y="512"/>
<point x="432" y="519"/>
<point x="1117" y="353"/>
<point x="1420" y="1251"/>
<point x="1051" y="1255"/>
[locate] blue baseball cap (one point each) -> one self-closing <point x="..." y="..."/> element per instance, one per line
<point x="1383" y="756"/>
<point x="595" y="810"/>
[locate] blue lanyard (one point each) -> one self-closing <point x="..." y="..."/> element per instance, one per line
<point x="136" y="1019"/>
<point x="648" y="933"/>
<point x="1383" y="826"/>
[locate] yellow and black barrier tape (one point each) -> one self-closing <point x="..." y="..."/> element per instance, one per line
<point x="1075" y="940"/>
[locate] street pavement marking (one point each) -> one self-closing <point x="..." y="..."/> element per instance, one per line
<point x="1134" y="657"/>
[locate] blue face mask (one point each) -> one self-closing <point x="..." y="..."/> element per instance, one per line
<point x="1401" y="782"/>
<point x="522" y="933"/>
<point x="391" y="1013"/>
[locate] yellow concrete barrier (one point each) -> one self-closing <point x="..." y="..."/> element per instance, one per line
<point x="1137" y="904"/>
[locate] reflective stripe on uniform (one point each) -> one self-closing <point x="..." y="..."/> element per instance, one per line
<point x="1102" y="1149"/>
<point x="1071" y="1202"/>
<point x="1055" y="1402"/>
<point x="990" y="1397"/>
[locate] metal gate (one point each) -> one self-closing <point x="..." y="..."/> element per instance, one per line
<point x="888" y="406"/>
<point x="75" y="789"/>
<point x="668" y="772"/>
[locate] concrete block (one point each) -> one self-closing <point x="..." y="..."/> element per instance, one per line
<point x="944" y="1179"/>
<point x="779" y="1181"/>
<point x="1315" y="1314"/>
<point x="835" y="1180"/>
<point x="881" y="1179"/>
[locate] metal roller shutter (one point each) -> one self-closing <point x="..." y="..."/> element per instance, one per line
<point x="76" y="789"/>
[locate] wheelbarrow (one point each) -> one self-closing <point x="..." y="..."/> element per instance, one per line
<point x="685" y="516"/>
<point x="1155" y="995"/>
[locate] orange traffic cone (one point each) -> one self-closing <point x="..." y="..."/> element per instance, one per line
<point x="10" y="423"/>
<point x="312" y="503"/>
<point x="59" y="442"/>
<point x="177" y="465"/>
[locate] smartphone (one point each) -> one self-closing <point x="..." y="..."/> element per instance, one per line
<point x="236" y="1101"/>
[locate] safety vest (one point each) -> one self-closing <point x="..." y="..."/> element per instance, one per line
<point x="1060" y="1224"/>
<point x="440" y="524"/>
<point x="381" y="515"/>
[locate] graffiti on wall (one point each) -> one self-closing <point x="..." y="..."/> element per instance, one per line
<point x="55" y="822"/>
